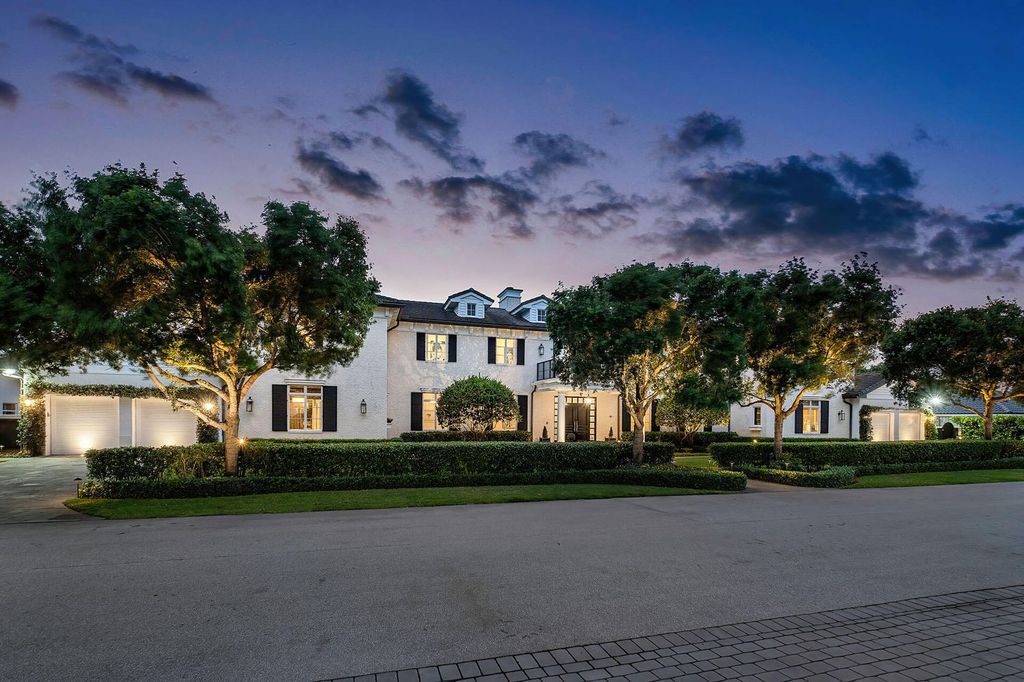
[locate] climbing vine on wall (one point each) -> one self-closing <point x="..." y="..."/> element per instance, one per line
<point x="866" y="429"/>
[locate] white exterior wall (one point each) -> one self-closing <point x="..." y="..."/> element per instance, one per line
<point x="407" y="375"/>
<point x="741" y="419"/>
<point x="364" y="379"/>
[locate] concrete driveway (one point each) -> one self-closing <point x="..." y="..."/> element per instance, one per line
<point x="33" y="488"/>
<point x="312" y="596"/>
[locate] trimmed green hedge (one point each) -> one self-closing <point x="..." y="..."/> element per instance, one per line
<point x="830" y="477"/>
<point x="968" y="465"/>
<point x="698" y="442"/>
<point x="458" y="436"/>
<point x="863" y="454"/>
<point x="254" y="485"/>
<point x="1004" y="426"/>
<point x="379" y="458"/>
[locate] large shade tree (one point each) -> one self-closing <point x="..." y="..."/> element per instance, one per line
<point x="124" y="268"/>
<point x="808" y="329"/>
<point x="966" y="353"/>
<point x="638" y="327"/>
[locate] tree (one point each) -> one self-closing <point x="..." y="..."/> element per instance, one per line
<point x="809" y="329"/>
<point x="476" y="404"/>
<point x="122" y="268"/>
<point x="694" y="403"/>
<point x="637" y="327"/>
<point x="967" y="353"/>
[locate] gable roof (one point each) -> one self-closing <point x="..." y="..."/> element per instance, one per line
<point x="469" y="291"/>
<point x="1003" y="407"/>
<point x="428" y="311"/>
<point x="864" y="383"/>
<point x="526" y="303"/>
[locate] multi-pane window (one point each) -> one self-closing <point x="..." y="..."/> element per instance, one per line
<point x="505" y="351"/>
<point x="757" y="416"/>
<point x="305" y="408"/>
<point x="430" y="412"/>
<point x="811" y="415"/>
<point x="542" y="314"/>
<point x="471" y="309"/>
<point x="437" y="347"/>
<point x="9" y="409"/>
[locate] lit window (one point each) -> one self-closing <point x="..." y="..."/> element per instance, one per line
<point x="812" y="415"/>
<point x="9" y="409"/>
<point x="430" y="411"/>
<point x="505" y="351"/>
<point x="305" y="408"/>
<point x="542" y="314"/>
<point x="757" y="416"/>
<point x="437" y="347"/>
<point x="471" y="309"/>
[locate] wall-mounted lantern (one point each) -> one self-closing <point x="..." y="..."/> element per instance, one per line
<point x="540" y="350"/>
<point x="842" y="415"/>
<point x="248" y="404"/>
<point x="362" y="406"/>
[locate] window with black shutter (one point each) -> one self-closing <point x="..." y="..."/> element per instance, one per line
<point x="330" y="408"/>
<point x="524" y="421"/>
<point x="279" y="407"/>
<point x="520" y="351"/>
<point x="416" y="412"/>
<point x="453" y="347"/>
<point x="492" y="352"/>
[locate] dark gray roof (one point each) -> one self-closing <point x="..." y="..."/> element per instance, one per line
<point x="427" y="311"/>
<point x="1004" y="407"/>
<point x="864" y="383"/>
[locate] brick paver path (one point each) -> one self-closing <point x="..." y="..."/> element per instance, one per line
<point x="962" y="636"/>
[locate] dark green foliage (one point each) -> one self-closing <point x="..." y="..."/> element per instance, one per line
<point x="1004" y="427"/>
<point x="449" y="436"/>
<point x="966" y="465"/>
<point x="830" y="477"/>
<point x="32" y="426"/>
<point x="145" y="462"/>
<point x="698" y="442"/>
<point x="253" y="485"/>
<point x="862" y="454"/>
<point x="476" y="404"/>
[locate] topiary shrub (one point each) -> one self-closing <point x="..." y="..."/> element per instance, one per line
<point x="476" y="403"/>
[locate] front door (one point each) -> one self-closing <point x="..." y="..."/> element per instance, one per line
<point x="577" y="421"/>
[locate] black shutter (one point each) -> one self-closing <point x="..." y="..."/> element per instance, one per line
<point x="492" y="352"/>
<point x="654" y="416"/>
<point x="626" y="422"/>
<point x="279" y="407"/>
<point x="330" y="408"/>
<point x="520" y="351"/>
<point x="824" y="416"/>
<point x="453" y="348"/>
<point x="799" y="418"/>
<point x="524" y="406"/>
<point x="416" y="416"/>
<point x="421" y="346"/>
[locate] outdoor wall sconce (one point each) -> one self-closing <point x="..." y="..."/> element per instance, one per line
<point x="540" y="350"/>
<point x="248" y="404"/>
<point x="362" y="406"/>
<point x="842" y="415"/>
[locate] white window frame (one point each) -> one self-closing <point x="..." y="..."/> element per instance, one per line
<point x="505" y="351"/>
<point x="13" y="412"/>
<point x="429" y="398"/>
<point x="438" y="344"/>
<point x="758" y="417"/>
<point x="308" y="391"/>
<point x="812" y="407"/>
<point x="542" y="314"/>
<point x="471" y="310"/>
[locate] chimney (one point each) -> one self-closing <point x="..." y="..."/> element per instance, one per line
<point x="509" y="298"/>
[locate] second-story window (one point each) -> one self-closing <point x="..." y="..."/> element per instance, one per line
<point x="437" y="347"/>
<point x="542" y="314"/>
<point x="471" y="309"/>
<point x="505" y="351"/>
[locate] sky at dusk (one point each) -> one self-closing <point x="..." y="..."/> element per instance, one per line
<point x="486" y="144"/>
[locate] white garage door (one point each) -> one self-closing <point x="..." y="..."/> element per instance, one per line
<point x="157" y="424"/>
<point x="78" y="423"/>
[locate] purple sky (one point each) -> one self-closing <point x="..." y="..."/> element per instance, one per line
<point x="523" y="144"/>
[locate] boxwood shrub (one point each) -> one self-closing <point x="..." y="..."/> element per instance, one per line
<point x="698" y="442"/>
<point x="863" y="454"/>
<point x="967" y="465"/>
<point x="448" y="436"/>
<point x="204" y="459"/>
<point x="829" y="477"/>
<point x="253" y="485"/>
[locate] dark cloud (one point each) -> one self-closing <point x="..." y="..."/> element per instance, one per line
<point x="457" y="197"/>
<point x="704" y="132"/>
<point x="615" y="120"/>
<point x="349" y="141"/>
<point x="834" y="207"/>
<point x="338" y="177"/>
<point x="421" y="118"/>
<point x="552" y="153"/>
<point x="595" y="211"/>
<point x="103" y="70"/>
<point x="8" y="94"/>
<point x="922" y="136"/>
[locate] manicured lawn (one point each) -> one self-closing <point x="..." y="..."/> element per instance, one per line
<point x="940" y="478"/>
<point x="361" y="499"/>
<point x="694" y="462"/>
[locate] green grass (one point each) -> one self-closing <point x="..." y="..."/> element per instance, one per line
<point x="694" y="462"/>
<point x="362" y="499"/>
<point x="940" y="478"/>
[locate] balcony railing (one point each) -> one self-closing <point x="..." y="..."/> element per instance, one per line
<point x="545" y="371"/>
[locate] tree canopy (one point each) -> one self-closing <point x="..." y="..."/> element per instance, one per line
<point x="959" y="355"/>
<point x="476" y="404"/>
<point x="808" y="329"/>
<point x="124" y="268"/>
<point x="693" y="403"/>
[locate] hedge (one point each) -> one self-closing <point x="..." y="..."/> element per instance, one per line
<point x="1004" y="426"/>
<point x="830" y="477"/>
<point x="698" y="442"/>
<point x="863" y="454"/>
<point x="1007" y="463"/>
<point x="254" y="485"/>
<point x="448" y="436"/>
<point x="379" y="458"/>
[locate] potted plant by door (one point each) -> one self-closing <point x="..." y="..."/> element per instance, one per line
<point x="544" y="435"/>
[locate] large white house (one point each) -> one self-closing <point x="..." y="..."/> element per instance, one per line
<point x="413" y="350"/>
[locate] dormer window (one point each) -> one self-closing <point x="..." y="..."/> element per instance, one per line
<point x="471" y="309"/>
<point x="468" y="303"/>
<point x="542" y="314"/>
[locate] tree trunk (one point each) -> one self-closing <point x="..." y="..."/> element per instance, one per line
<point x="987" y="419"/>
<point x="780" y="420"/>
<point x="231" y="444"/>
<point x="638" y="441"/>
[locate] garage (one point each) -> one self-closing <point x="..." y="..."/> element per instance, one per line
<point x="156" y="423"/>
<point x="78" y="423"/>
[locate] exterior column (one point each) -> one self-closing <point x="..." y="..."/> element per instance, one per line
<point x="896" y="423"/>
<point x="560" y="435"/>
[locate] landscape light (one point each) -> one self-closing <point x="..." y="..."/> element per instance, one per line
<point x="208" y="406"/>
